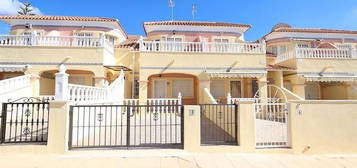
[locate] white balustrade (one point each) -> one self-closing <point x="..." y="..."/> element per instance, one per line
<point x="81" y="93"/>
<point x="14" y="88"/>
<point x="317" y="53"/>
<point x="55" y="41"/>
<point x="231" y="100"/>
<point x="131" y="102"/>
<point x="201" y="47"/>
<point x="165" y="101"/>
<point x="15" y="83"/>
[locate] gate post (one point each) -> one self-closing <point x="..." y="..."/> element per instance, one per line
<point x="246" y="128"/>
<point x="3" y="122"/>
<point x="58" y="127"/>
<point x="192" y="130"/>
<point x="61" y="86"/>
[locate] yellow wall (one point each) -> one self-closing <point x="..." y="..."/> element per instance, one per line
<point x="324" y="126"/>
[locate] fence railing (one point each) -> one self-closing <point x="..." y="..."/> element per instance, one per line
<point x="24" y="121"/>
<point x="318" y="53"/>
<point x="232" y="100"/>
<point x="57" y="41"/>
<point x="126" y="126"/>
<point x="202" y="47"/>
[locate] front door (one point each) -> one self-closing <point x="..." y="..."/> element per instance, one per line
<point x="312" y="91"/>
<point x="236" y="89"/>
<point x="160" y="88"/>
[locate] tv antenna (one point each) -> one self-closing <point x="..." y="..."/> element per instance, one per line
<point x="172" y="5"/>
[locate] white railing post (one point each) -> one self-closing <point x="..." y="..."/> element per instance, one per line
<point x="179" y="97"/>
<point x="354" y="53"/>
<point x="229" y="98"/>
<point x="141" y="44"/>
<point x="61" y="86"/>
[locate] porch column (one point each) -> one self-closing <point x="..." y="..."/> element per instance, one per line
<point x="35" y="83"/>
<point x="143" y="91"/>
<point x="99" y="81"/>
<point x="263" y="91"/>
<point x="202" y="97"/>
<point x="299" y="86"/>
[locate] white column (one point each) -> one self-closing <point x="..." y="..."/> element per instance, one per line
<point x="61" y="91"/>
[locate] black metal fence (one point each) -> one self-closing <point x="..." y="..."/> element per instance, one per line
<point x="126" y="126"/>
<point x="24" y="121"/>
<point x="219" y="124"/>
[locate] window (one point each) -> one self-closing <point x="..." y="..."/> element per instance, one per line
<point x="185" y="86"/>
<point x="288" y="85"/>
<point x="136" y="88"/>
<point x="217" y="88"/>
<point x="174" y="39"/>
<point x="274" y="50"/>
<point x="236" y="89"/>
<point x="303" y="45"/>
<point x="255" y="87"/>
<point x="281" y="49"/>
<point x="221" y="45"/>
<point x="80" y="80"/>
<point x="30" y="33"/>
<point x="84" y="34"/>
<point x="174" y="44"/>
<point x="344" y="46"/>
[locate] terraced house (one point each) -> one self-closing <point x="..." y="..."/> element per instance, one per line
<point x="185" y="84"/>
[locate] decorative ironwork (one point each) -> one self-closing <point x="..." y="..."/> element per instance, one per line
<point x="26" y="131"/>
<point x="100" y="117"/>
<point x="28" y="100"/>
<point x="24" y="120"/>
<point x="27" y="112"/>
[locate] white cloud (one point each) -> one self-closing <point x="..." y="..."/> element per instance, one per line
<point x="10" y="7"/>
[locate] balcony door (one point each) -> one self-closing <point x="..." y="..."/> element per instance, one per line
<point x="160" y="87"/>
<point x="236" y="89"/>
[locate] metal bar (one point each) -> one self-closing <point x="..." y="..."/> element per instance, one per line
<point x="70" y="127"/>
<point x="128" y="127"/>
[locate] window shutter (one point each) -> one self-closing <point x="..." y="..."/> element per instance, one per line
<point x="217" y="88"/>
<point x="185" y="86"/>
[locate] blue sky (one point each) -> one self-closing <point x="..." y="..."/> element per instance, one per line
<point x="261" y="14"/>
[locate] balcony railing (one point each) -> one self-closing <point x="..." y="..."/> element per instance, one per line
<point x="318" y="53"/>
<point x="54" y="41"/>
<point x="201" y="47"/>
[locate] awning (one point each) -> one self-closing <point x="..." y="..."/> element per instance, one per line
<point x="245" y="74"/>
<point x="329" y="78"/>
<point x="13" y="68"/>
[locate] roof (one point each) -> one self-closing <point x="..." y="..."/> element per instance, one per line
<point x="197" y="23"/>
<point x="308" y="30"/>
<point x="65" y="18"/>
<point x="112" y="21"/>
<point x="313" y="30"/>
<point x="279" y="68"/>
<point x="269" y="54"/>
<point x="243" y="27"/>
<point x="131" y="42"/>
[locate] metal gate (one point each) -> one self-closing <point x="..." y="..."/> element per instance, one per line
<point x="219" y="124"/>
<point x="271" y="124"/>
<point x="126" y="126"/>
<point x="24" y="121"/>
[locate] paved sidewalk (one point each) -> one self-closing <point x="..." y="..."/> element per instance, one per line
<point x="174" y="159"/>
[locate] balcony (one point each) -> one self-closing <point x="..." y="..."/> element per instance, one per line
<point x="202" y="47"/>
<point x="54" y="41"/>
<point x="317" y="53"/>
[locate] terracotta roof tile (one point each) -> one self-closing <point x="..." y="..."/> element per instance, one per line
<point x="196" y="23"/>
<point x="131" y="42"/>
<point x="313" y="30"/>
<point x="67" y="18"/>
